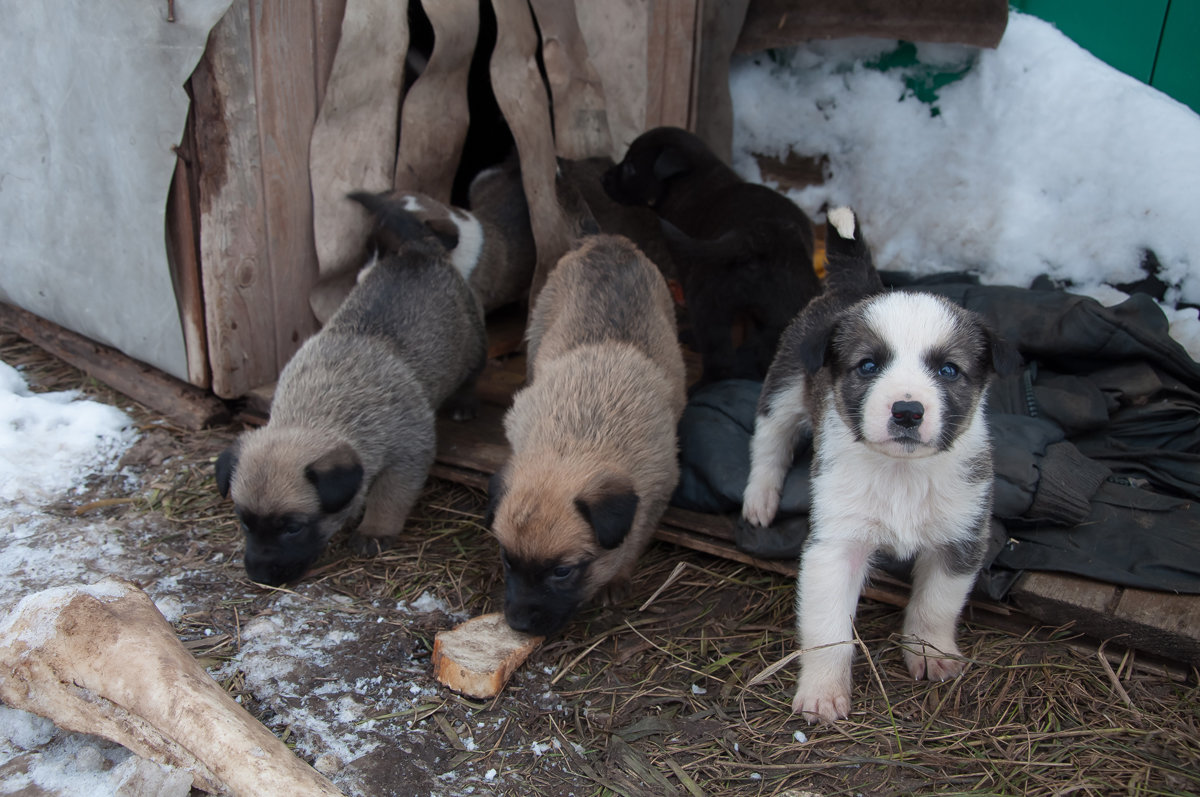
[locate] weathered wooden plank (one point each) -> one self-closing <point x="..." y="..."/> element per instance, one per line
<point x="239" y="317"/>
<point x="284" y="42"/>
<point x="327" y="25"/>
<point x="711" y="111"/>
<point x="353" y="145"/>
<point x="780" y="23"/>
<point x="183" y="258"/>
<point x="1160" y="623"/>
<point x="616" y="35"/>
<point x="434" y="117"/>
<point x="578" y="102"/>
<point x="186" y="405"/>
<point x="521" y="95"/>
<point x="670" y="53"/>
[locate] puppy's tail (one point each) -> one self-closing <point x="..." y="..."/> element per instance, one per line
<point x="848" y="263"/>
<point x="397" y="226"/>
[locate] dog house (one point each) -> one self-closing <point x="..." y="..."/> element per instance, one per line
<point x="242" y="238"/>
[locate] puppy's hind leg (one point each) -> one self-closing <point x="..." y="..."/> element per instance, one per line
<point x="942" y="579"/>
<point x="389" y="500"/>
<point x="832" y="572"/>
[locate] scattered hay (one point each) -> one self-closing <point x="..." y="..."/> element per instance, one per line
<point x="673" y="692"/>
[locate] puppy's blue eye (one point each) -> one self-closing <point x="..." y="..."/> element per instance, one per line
<point x="563" y="571"/>
<point x="868" y="367"/>
<point x="948" y="371"/>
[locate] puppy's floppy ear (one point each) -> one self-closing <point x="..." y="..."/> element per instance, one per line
<point x="1006" y="358"/>
<point x="445" y="230"/>
<point x="497" y="487"/>
<point x="609" y="505"/>
<point x="816" y="336"/>
<point x="670" y="162"/>
<point x="226" y="465"/>
<point x="336" y="476"/>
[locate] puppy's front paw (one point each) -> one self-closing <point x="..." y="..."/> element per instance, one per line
<point x="364" y="545"/>
<point x="926" y="662"/>
<point x="759" y="504"/>
<point x="829" y="702"/>
<point x="615" y="591"/>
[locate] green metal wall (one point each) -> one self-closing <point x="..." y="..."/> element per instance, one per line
<point x="1156" y="41"/>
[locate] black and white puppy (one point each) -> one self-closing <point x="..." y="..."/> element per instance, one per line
<point x="743" y="251"/>
<point x="892" y="384"/>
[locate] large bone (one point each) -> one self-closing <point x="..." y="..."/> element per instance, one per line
<point x="102" y="660"/>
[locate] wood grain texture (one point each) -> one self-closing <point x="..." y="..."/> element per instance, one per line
<point x="284" y="43"/>
<point x="239" y="317"/>
<point x="521" y="95"/>
<point x="434" y="117"/>
<point x="580" y="111"/>
<point x="186" y="405"/>
<point x="616" y="35"/>
<point x="670" y="52"/>
<point x="780" y="23"/>
<point x="183" y="258"/>
<point x="353" y="145"/>
<point x="711" y="113"/>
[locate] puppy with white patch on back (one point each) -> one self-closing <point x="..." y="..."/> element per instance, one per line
<point x="351" y="433"/>
<point x="892" y="385"/>
<point x="743" y="251"/>
<point x="491" y="244"/>
<point x="593" y="435"/>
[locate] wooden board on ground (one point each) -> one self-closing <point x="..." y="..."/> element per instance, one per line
<point x="186" y="405"/>
<point x="1161" y="624"/>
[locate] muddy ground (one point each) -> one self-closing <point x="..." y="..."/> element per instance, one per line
<point x="670" y="692"/>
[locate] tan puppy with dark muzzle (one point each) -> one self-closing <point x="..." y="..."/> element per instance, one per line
<point x="352" y="422"/>
<point x="593" y="434"/>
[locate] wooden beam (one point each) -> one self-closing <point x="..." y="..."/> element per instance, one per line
<point x="185" y="405"/>
<point x="782" y="23"/>
<point x="1160" y="623"/>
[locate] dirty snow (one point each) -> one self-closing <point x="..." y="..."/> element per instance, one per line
<point x="1040" y="159"/>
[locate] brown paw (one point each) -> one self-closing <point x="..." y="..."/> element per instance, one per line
<point x="362" y="545"/>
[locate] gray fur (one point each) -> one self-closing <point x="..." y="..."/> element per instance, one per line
<point x="361" y="392"/>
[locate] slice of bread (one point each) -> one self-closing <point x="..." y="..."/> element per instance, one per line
<point x="477" y="656"/>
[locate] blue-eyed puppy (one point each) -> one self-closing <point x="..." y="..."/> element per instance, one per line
<point x="593" y="434"/>
<point x="892" y="385"/>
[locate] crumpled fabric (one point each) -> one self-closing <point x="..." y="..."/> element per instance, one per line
<point x="1096" y="445"/>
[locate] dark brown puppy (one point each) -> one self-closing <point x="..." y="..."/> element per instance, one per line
<point x="593" y="435"/>
<point x="744" y="251"/>
<point x="352" y="422"/>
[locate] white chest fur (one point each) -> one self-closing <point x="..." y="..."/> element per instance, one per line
<point x="894" y="504"/>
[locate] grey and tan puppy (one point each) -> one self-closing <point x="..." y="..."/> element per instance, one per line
<point x="593" y="434"/>
<point x="352" y="422"/>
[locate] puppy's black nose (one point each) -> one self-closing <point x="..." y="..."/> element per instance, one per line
<point x="908" y="414"/>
